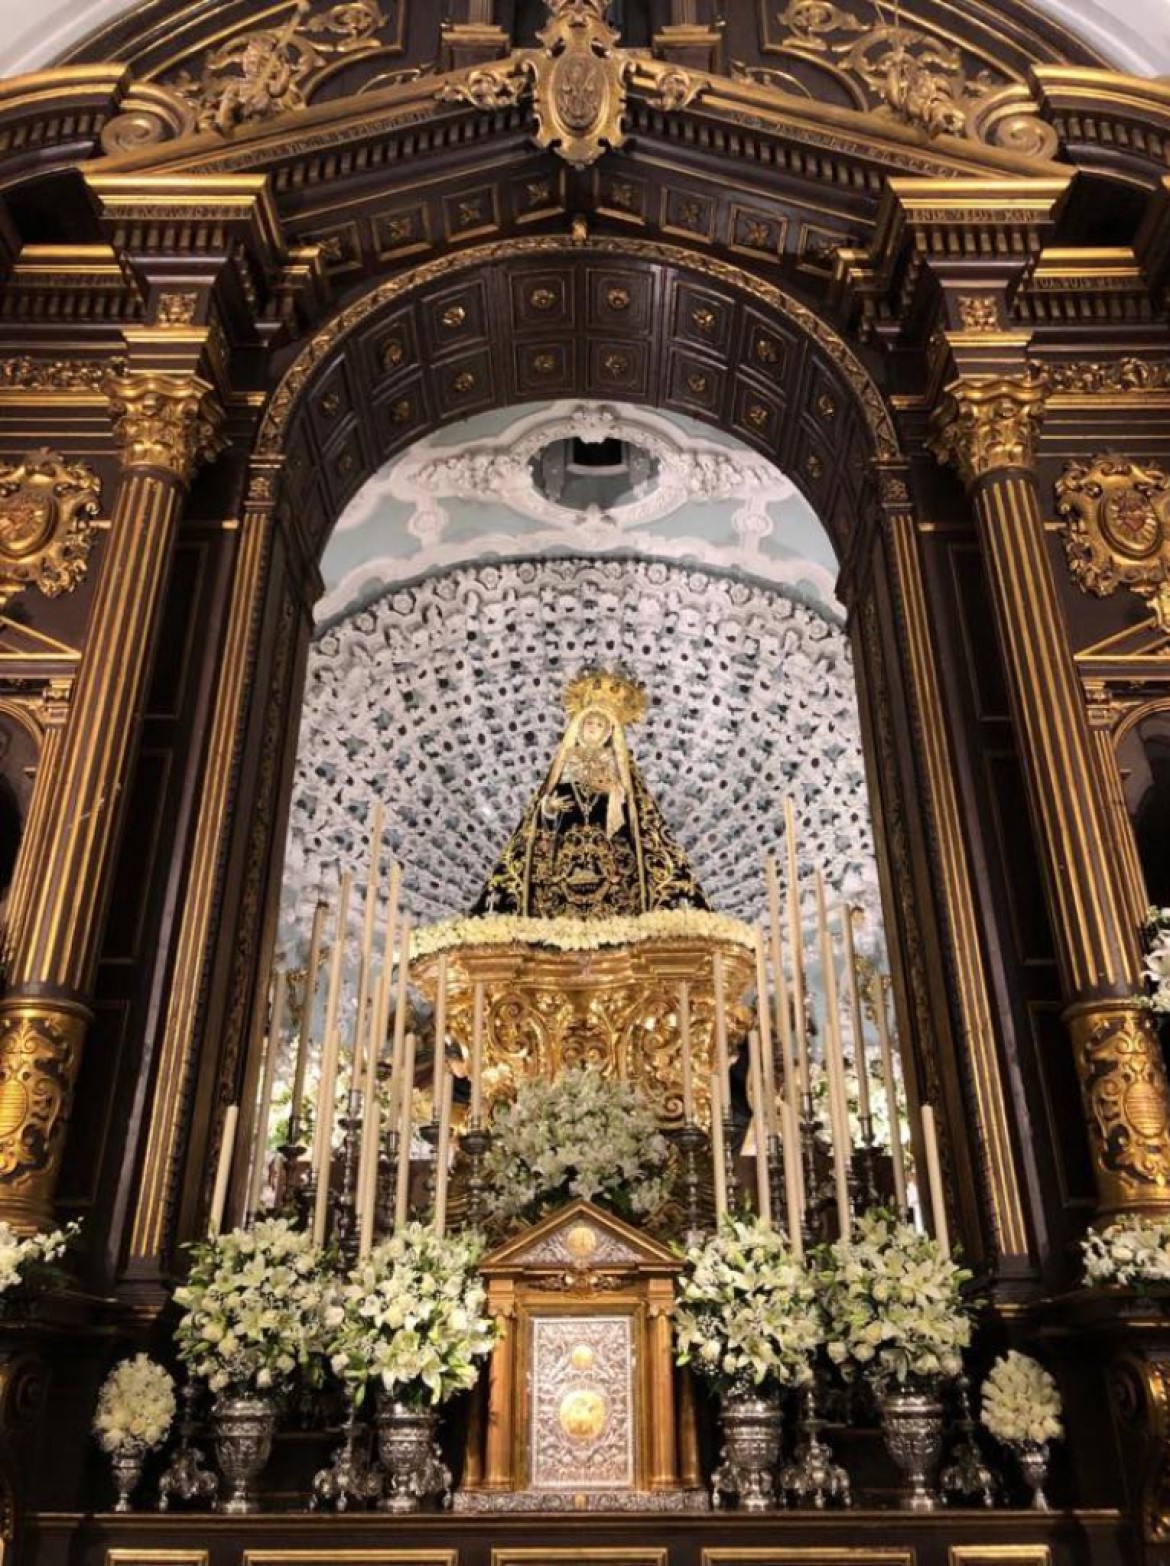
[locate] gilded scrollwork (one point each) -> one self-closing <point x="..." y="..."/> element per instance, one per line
<point x="579" y="81"/>
<point x="987" y="424"/>
<point x="270" y="70"/>
<point x="1139" y="1386"/>
<point x="1117" y="529"/>
<point x="1124" y="1087"/>
<point x="47" y="510"/>
<point x="166" y="421"/>
<point x="40" y="1048"/>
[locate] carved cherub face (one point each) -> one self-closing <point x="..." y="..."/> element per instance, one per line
<point x="596" y="728"/>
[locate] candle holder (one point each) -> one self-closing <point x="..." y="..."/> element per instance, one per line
<point x="345" y="1224"/>
<point x="777" y="1192"/>
<point x="387" y="1184"/>
<point x="430" y="1135"/>
<point x="966" y="1476"/>
<point x="814" y="1197"/>
<point x="692" y="1143"/>
<point x="813" y="1478"/>
<point x="474" y="1144"/>
<point x="731" y="1177"/>
<point x="292" y="1152"/>
<point x="349" y="1479"/>
<point x="186" y="1477"/>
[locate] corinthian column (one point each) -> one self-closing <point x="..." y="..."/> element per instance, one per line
<point x="165" y="426"/>
<point x="987" y="428"/>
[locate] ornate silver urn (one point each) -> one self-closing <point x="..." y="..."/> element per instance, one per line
<point x="243" y="1428"/>
<point x="912" y="1424"/>
<point x="406" y="1442"/>
<point x="127" y="1465"/>
<point x="751" y="1452"/>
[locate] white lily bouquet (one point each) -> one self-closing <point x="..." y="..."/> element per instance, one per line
<point x="747" y="1317"/>
<point x="580" y="1135"/>
<point x="1157" y="968"/>
<point x="411" y="1317"/>
<point x="20" y="1259"/>
<point x="1020" y="1402"/>
<point x="893" y="1305"/>
<point x="1133" y="1253"/>
<point x="135" y="1406"/>
<point x="251" y="1307"/>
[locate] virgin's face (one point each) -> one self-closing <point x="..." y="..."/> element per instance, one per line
<point x="595" y="728"/>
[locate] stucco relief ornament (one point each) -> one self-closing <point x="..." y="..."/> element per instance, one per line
<point x="47" y="511"/>
<point x="1117" y="529"/>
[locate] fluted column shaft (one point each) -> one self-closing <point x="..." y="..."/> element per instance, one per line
<point x="987" y="429"/>
<point x="165" y="426"/>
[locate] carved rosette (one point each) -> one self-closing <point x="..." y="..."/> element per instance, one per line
<point x="985" y="425"/>
<point x="166" y="421"/>
<point x="1117" y="529"/>
<point x="47" y="511"/>
<point x="1123" y="1084"/>
<point x="40" y="1049"/>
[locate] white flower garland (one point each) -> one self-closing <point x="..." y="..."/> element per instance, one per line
<point x="582" y="935"/>
<point x="1133" y="1252"/>
<point x="582" y="1135"/>
<point x="135" y="1406"/>
<point x="411" y="1315"/>
<point x="892" y="1302"/>
<point x="747" y="1316"/>
<point x="1157" y="968"/>
<point x="19" y="1257"/>
<point x="252" y="1307"/>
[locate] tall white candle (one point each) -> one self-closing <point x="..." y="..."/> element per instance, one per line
<point x="938" y="1204"/>
<point x="405" y="1135"/>
<point x="783" y="1017"/>
<point x="264" y="1111"/>
<point x="722" y="1058"/>
<point x="401" y="1007"/>
<point x="368" y="1203"/>
<point x="856" y="1012"/>
<point x="791" y="1145"/>
<point x="796" y="936"/>
<point x="718" y="1154"/>
<point x="834" y="1066"/>
<point x="441" y="1012"/>
<point x="307" y="1007"/>
<point x="767" y="1058"/>
<point x="445" y="1086"/>
<point x="889" y="1082"/>
<point x="223" y="1170"/>
<point x="686" y="1058"/>
<point x="760" y="1117"/>
<point x="478" y="999"/>
<point x="366" y="970"/>
<point x="327" y="1088"/>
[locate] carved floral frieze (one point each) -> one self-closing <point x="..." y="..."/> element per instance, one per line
<point x="1117" y="529"/>
<point x="47" y="510"/>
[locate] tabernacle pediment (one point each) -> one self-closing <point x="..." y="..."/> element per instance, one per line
<point x="581" y="1238"/>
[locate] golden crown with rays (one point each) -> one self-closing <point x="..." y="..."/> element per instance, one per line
<point x="620" y="697"/>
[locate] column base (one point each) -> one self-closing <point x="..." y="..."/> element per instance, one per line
<point x="1127" y="1104"/>
<point x="40" y="1053"/>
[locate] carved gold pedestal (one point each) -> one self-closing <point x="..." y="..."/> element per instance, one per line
<point x="1119" y="1062"/>
<point x="40" y="1052"/>
<point x="580" y="1411"/>
<point x="616" y="1009"/>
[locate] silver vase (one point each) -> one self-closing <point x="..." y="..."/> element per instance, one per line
<point x="912" y="1424"/>
<point x="406" y="1438"/>
<point x="751" y="1451"/>
<point x="1032" y="1457"/>
<point x="243" y="1428"/>
<point x="127" y="1465"/>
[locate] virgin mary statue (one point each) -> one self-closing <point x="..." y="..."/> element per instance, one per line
<point x="592" y="843"/>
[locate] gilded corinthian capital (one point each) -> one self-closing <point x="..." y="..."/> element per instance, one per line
<point x="165" y="421"/>
<point x="988" y="423"/>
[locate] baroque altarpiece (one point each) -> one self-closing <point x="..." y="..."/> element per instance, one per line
<point x="919" y="262"/>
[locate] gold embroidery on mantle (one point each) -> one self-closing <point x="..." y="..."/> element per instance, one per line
<point x="47" y="510"/>
<point x="1117" y="529"/>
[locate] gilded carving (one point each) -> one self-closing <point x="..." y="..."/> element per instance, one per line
<point x="986" y="424"/>
<point x="47" y="510"/>
<point x="268" y="70"/>
<point x="166" y="421"/>
<point x="978" y="313"/>
<point x="40" y="1048"/>
<point x="1124" y="1088"/>
<point x="1117" y="529"/>
<point x="1140" y="1389"/>
<point x="178" y="308"/>
<point x="80" y="375"/>
<point x="677" y="89"/>
<point x="1089" y="376"/>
